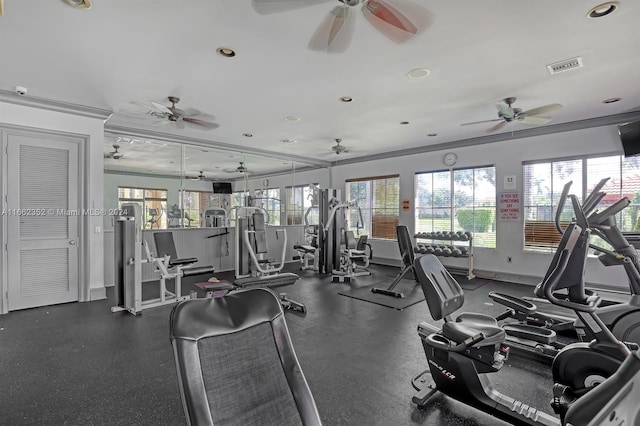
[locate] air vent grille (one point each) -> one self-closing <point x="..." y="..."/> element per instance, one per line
<point x="566" y="65"/>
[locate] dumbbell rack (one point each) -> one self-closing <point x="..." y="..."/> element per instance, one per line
<point x="452" y="238"/>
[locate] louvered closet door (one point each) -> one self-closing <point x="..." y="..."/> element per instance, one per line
<point x="42" y="231"/>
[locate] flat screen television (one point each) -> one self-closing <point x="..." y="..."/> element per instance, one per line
<point x="630" y="138"/>
<point x="222" y="188"/>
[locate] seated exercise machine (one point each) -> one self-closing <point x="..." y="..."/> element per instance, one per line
<point x="128" y="263"/>
<point x="236" y="363"/>
<point x="536" y="329"/>
<point x="309" y="251"/>
<point x="463" y="350"/>
<point x="253" y="268"/>
<point x="354" y="252"/>
<point x="408" y="259"/>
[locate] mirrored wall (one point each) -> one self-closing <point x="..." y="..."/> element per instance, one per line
<point x="185" y="186"/>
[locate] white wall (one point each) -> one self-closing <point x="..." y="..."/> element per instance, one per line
<point x="507" y="156"/>
<point x="93" y="130"/>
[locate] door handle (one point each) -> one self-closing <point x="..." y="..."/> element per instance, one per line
<point x="72" y="242"/>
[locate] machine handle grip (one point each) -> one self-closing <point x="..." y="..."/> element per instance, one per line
<point x="468" y="343"/>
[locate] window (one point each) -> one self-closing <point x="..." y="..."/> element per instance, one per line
<point x="269" y="199"/>
<point x="543" y="184"/>
<point x="194" y="203"/>
<point x="458" y="200"/>
<point x="153" y="203"/>
<point x="379" y="202"/>
<point x="299" y="200"/>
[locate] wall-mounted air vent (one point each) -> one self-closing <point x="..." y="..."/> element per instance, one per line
<point x="566" y="65"/>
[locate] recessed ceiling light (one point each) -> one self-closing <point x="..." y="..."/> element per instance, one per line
<point x="227" y="52"/>
<point x="80" y="4"/>
<point x="603" y="9"/>
<point x="611" y="100"/>
<point x="431" y="135"/>
<point x="346" y="99"/>
<point x="247" y="135"/>
<point x="291" y="118"/>
<point x="404" y="122"/>
<point x="419" y="73"/>
<point x="288" y="141"/>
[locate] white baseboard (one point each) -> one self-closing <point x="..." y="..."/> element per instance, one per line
<point x="99" y="293"/>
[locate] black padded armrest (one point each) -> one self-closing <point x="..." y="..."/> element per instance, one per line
<point x="185" y="261"/>
<point x="198" y="270"/>
<point x="515" y="303"/>
<point x="304" y="248"/>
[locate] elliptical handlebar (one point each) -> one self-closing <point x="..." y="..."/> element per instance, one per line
<point x="561" y="202"/>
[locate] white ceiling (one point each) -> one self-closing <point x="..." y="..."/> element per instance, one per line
<point x="478" y="52"/>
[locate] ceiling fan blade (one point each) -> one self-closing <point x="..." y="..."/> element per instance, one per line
<point x="335" y="32"/>
<point x="496" y="127"/>
<point x="542" y="110"/>
<point x="265" y="7"/>
<point x="162" y="108"/>
<point x="505" y="110"/>
<point x="479" y="122"/>
<point x="389" y="21"/>
<point x="201" y="123"/>
<point x="179" y="124"/>
<point x="535" y="120"/>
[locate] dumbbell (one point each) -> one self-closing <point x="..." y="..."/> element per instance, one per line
<point x="437" y="251"/>
<point x="446" y="252"/>
<point x="456" y="252"/>
<point x="430" y="250"/>
<point x="463" y="250"/>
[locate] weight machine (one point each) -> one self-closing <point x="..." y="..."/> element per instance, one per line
<point x="339" y="251"/>
<point x="253" y="269"/>
<point x="128" y="264"/>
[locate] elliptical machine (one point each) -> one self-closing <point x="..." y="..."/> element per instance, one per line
<point x="463" y="350"/>
<point x="623" y="319"/>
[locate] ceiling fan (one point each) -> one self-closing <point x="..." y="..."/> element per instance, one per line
<point x="240" y="169"/>
<point x="508" y="114"/>
<point x="339" y="149"/>
<point x="399" y="22"/>
<point x="115" y="154"/>
<point x="173" y="116"/>
<point x="201" y="176"/>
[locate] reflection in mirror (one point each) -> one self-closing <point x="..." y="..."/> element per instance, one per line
<point x="144" y="172"/>
<point x="180" y="185"/>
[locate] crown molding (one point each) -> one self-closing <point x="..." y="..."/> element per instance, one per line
<point x="607" y="120"/>
<point x="51" y="105"/>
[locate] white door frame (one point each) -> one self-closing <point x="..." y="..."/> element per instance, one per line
<point x="82" y="141"/>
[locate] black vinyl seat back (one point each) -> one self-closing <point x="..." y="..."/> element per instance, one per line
<point x="362" y="242"/>
<point x="350" y="240"/>
<point x="442" y="292"/>
<point x="406" y="245"/>
<point x="236" y="364"/>
<point x="165" y="245"/>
